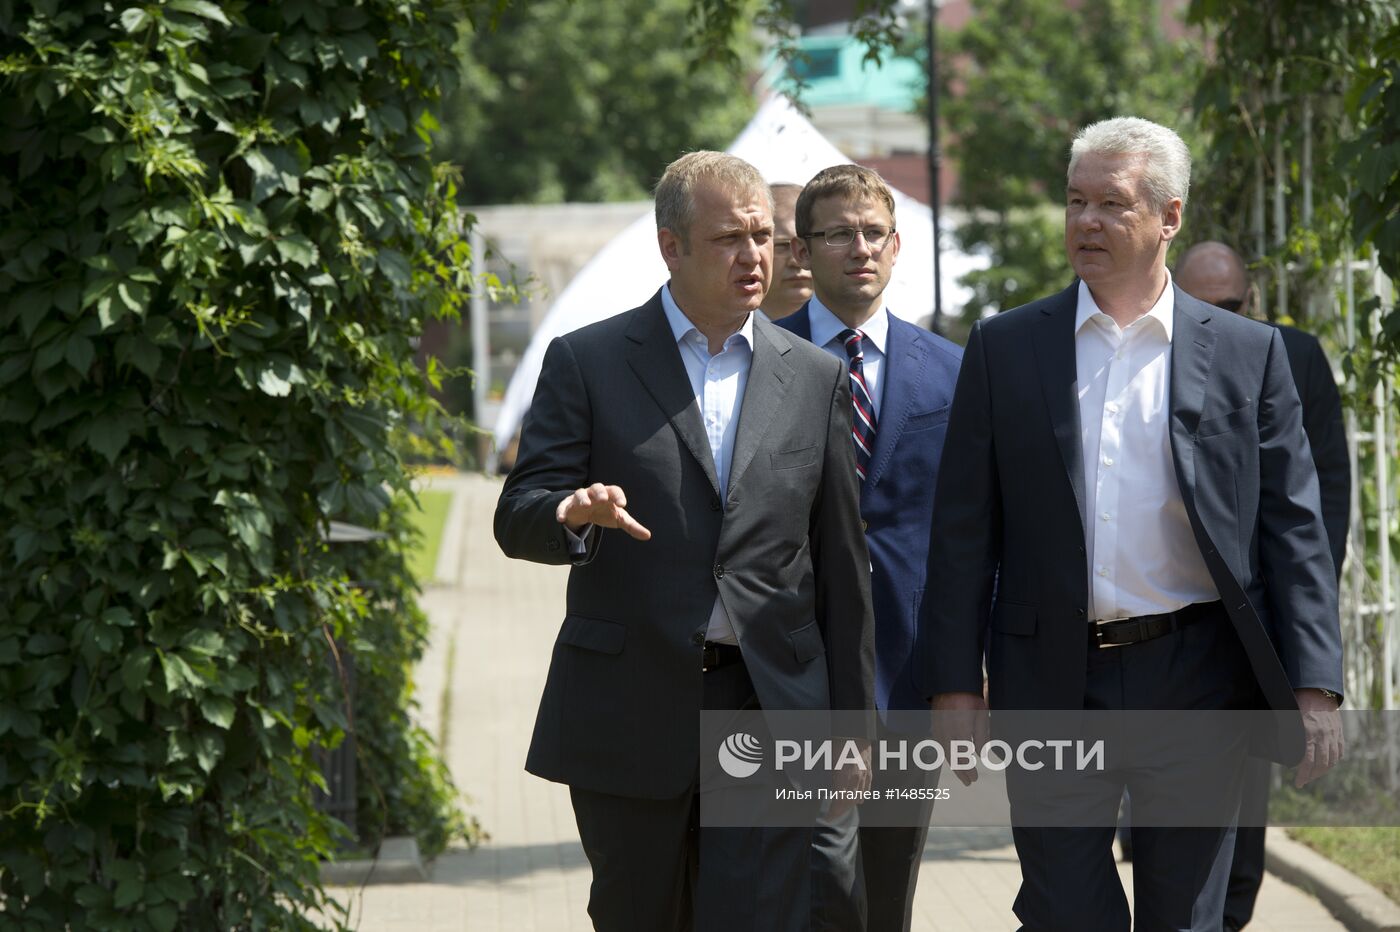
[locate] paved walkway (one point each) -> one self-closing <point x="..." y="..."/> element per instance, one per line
<point x="493" y="628"/>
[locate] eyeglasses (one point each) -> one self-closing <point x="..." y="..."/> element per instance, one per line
<point x="875" y="237"/>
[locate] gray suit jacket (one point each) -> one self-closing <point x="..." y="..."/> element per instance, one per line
<point x="1008" y="507"/>
<point x="783" y="548"/>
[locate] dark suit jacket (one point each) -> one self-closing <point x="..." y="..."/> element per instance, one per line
<point x="1322" y="421"/>
<point x="896" y="499"/>
<point x="1008" y="509"/>
<point x="783" y="548"/>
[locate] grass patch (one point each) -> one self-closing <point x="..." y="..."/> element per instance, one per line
<point x="430" y="521"/>
<point x="1373" y="854"/>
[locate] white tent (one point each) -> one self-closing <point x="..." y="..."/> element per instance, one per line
<point x="785" y="147"/>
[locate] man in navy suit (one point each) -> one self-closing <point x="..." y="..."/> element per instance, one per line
<point x="1128" y="519"/>
<point x="903" y="379"/>
<point x="1216" y="274"/>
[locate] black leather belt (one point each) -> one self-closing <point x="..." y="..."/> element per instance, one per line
<point x="1125" y="631"/>
<point x="719" y="655"/>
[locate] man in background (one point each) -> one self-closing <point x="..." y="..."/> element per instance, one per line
<point x="1216" y="274"/>
<point x="902" y="380"/>
<point x="792" y="283"/>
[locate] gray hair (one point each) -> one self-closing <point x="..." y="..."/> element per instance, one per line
<point x="1166" y="160"/>
<point x="675" y="192"/>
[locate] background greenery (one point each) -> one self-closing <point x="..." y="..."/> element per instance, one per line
<point x="223" y="232"/>
<point x="567" y="101"/>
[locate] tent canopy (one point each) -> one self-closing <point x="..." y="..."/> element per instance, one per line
<point x="785" y="147"/>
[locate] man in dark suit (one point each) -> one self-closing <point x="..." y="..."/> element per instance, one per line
<point x="1216" y="274"/>
<point x="694" y="465"/>
<point x="1127" y="518"/>
<point x="902" y="381"/>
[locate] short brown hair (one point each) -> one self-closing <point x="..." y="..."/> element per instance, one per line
<point x="848" y="182"/>
<point x="675" y="192"/>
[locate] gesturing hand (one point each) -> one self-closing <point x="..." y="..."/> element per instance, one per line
<point x="603" y="505"/>
<point x="1322" y="724"/>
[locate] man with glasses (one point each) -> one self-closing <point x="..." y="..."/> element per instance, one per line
<point x="902" y="380"/>
<point x="792" y="283"/>
<point x="1216" y="274"/>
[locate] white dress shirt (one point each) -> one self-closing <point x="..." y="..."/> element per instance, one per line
<point x="1144" y="559"/>
<point x="718" y="382"/>
<point x="826" y="330"/>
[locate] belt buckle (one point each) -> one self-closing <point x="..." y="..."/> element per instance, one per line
<point x="1098" y="637"/>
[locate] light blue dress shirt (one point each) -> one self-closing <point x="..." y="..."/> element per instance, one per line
<point x="826" y="329"/>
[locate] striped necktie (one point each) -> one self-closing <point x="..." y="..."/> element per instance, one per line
<point x="863" y="407"/>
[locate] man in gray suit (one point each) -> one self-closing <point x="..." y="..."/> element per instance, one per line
<point x="694" y="465"/>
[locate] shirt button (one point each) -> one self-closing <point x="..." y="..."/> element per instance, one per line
<point x="1108" y="461"/>
<point x="1106" y="516"/>
<point x="1112" y="408"/>
<point x="1103" y="571"/>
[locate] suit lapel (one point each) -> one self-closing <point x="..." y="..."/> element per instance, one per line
<point x="1193" y="349"/>
<point x="769" y="378"/>
<point x="656" y="359"/>
<point x="904" y="368"/>
<point x="1059" y="381"/>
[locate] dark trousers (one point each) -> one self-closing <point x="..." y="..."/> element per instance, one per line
<point x="1247" y="867"/>
<point x="864" y="875"/>
<point x="655" y="869"/>
<point x="1069" y="878"/>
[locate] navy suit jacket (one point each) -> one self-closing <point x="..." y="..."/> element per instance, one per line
<point x="1322" y="421"/>
<point x="896" y="500"/>
<point x="1007" y="555"/>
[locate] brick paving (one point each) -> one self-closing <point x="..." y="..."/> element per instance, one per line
<point x="493" y="629"/>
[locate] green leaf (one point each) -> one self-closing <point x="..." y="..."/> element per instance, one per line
<point x="217" y="710"/>
<point x="135" y="19"/>
<point x="135" y="666"/>
<point x="79" y="353"/>
<point x="199" y="8"/>
<point x="162" y="917"/>
<point x="208" y="748"/>
<point x="298" y="249"/>
<point x="109" y="435"/>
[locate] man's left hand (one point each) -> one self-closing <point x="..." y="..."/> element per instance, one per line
<point x="851" y="777"/>
<point x="1322" y="725"/>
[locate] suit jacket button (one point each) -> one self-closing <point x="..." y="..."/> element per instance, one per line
<point x="552" y="545"/>
<point x="698" y="639"/>
<point x="714" y="503"/>
<point x="864" y="524"/>
<point x="1080" y="612"/>
<point x="719" y="571"/>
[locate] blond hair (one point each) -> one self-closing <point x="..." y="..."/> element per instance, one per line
<point x="675" y="192"/>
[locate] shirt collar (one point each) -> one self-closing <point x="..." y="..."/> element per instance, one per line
<point x="826" y="325"/>
<point x="681" y="326"/>
<point x="1161" y="312"/>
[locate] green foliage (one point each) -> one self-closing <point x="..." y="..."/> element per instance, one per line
<point x="1028" y="75"/>
<point x="222" y="233"/>
<point x="1372" y="157"/>
<point x="564" y="101"/>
